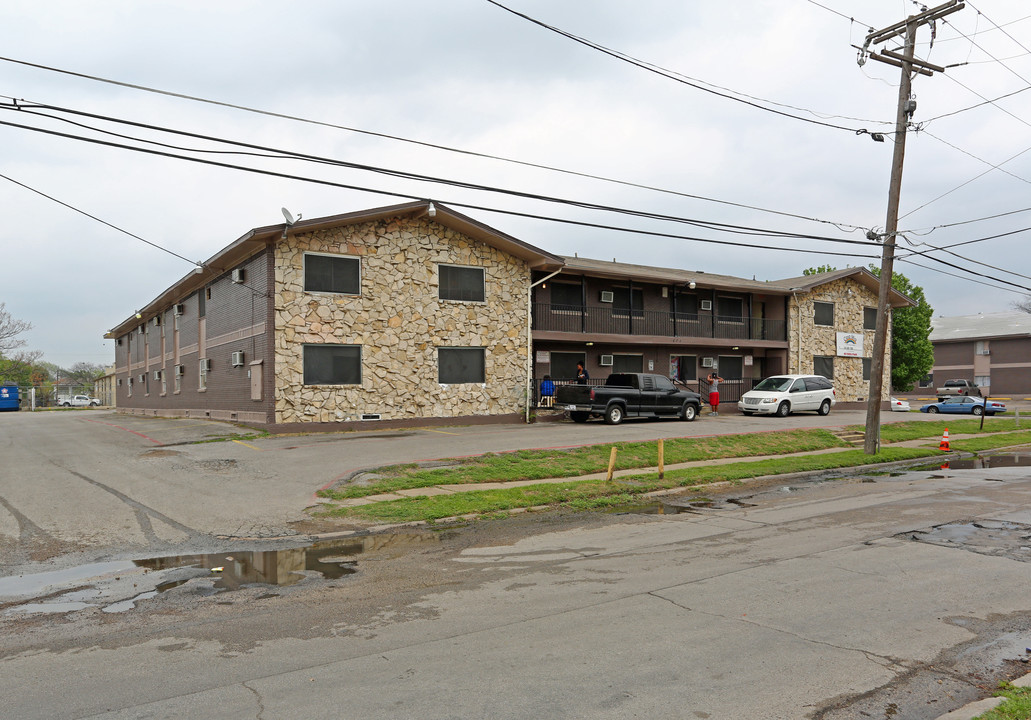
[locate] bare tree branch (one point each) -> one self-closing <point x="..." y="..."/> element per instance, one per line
<point x="10" y="329"/>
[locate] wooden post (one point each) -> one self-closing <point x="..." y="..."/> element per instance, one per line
<point x="662" y="463"/>
<point x="612" y="464"/>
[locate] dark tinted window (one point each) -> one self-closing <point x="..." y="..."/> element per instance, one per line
<point x="566" y="297"/>
<point x="869" y="318"/>
<point x="730" y="367"/>
<point x="563" y="365"/>
<point x="867" y="365"/>
<point x="332" y="364"/>
<point x="627" y="363"/>
<point x="729" y="309"/>
<point x="663" y="384"/>
<point x="621" y="298"/>
<point x="461" y="365"/>
<point x="686" y="306"/>
<point x="823" y="313"/>
<point x="331" y="273"/>
<point x="461" y="283"/>
<point x="824" y="365"/>
<point x="817" y="383"/>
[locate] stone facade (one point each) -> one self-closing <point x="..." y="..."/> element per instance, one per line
<point x="399" y="321"/>
<point x="808" y="340"/>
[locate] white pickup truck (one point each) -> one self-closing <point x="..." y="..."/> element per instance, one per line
<point x="77" y="401"/>
<point x="958" y="387"/>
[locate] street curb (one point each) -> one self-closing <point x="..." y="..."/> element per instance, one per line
<point x="972" y="710"/>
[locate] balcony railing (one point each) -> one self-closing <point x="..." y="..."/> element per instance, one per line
<point x="621" y="321"/>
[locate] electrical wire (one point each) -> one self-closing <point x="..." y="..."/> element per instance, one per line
<point x="407" y="196"/>
<point x="434" y="146"/>
<point x="719" y="227"/>
<point x="683" y="79"/>
<point x="961" y="277"/>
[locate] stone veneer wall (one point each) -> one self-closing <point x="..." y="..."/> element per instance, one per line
<point x="399" y="321"/>
<point x="822" y="340"/>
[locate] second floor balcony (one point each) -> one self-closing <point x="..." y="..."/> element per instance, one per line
<point x="609" y="320"/>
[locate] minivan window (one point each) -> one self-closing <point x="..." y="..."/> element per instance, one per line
<point x="798" y="386"/>
<point x="774" y="384"/>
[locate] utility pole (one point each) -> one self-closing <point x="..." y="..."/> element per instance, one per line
<point x="906" y="108"/>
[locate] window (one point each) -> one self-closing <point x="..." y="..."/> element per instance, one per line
<point x="465" y="284"/>
<point x="129" y="387"/>
<point x="202" y="374"/>
<point x="983" y="380"/>
<point x="867" y="365"/>
<point x="823" y="365"/>
<point x="332" y="364"/>
<point x="566" y="297"/>
<point x="823" y="313"/>
<point x="332" y="273"/>
<point x="684" y="367"/>
<point x="983" y="348"/>
<point x="563" y="364"/>
<point x="927" y="380"/>
<point x="621" y="298"/>
<point x="730" y="367"/>
<point x="730" y="308"/>
<point x="869" y="318"/>
<point x="627" y="363"/>
<point x="461" y="365"/>
<point x="686" y="306"/>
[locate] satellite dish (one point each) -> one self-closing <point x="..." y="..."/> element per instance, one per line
<point x="289" y="218"/>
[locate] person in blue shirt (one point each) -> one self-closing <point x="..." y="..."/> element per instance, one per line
<point x="547" y="391"/>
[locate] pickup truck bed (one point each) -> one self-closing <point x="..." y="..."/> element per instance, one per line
<point x="627" y="395"/>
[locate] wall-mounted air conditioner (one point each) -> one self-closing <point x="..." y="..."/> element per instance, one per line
<point x="709" y="362"/>
<point x="143" y="377"/>
<point x="706" y="304"/>
<point x="237" y="359"/>
<point x="605" y="361"/>
<point x="606" y="296"/>
<point x="177" y="310"/>
<point x="237" y="275"/>
<point x="157" y="319"/>
<point x="205" y="364"/>
<point x="179" y="369"/>
<point x="157" y="374"/>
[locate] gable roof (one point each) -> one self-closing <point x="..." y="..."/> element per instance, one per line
<point x="980" y="326"/>
<point x="257" y="239"/>
<point x="861" y="275"/>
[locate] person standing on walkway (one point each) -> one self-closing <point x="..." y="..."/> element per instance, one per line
<point x="714" y="392"/>
<point x="581" y="374"/>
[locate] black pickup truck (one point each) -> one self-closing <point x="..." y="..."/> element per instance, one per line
<point x="627" y="395"/>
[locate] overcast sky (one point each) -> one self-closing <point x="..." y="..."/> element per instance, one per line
<point x="471" y="76"/>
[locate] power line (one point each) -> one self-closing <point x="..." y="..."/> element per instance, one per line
<point x="407" y="196"/>
<point x="961" y="277"/>
<point x="420" y="143"/>
<point x="711" y="225"/>
<point x="683" y="79"/>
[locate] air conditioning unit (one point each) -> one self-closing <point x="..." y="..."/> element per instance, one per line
<point x="237" y="275"/>
<point x="177" y="310"/>
<point x="157" y="319"/>
<point x="706" y="304"/>
<point x="179" y="369"/>
<point x="143" y="377"/>
<point x="606" y="296"/>
<point x="237" y="359"/>
<point x="139" y="330"/>
<point x="157" y="374"/>
<point x="605" y="361"/>
<point x="205" y="364"/>
<point x="709" y="362"/>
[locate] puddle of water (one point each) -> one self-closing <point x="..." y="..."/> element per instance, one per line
<point x="988" y="537"/>
<point x="999" y="460"/>
<point x="117" y="586"/>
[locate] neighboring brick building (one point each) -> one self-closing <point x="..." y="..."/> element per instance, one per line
<point x="992" y="349"/>
<point x="416" y="312"/>
<point x="399" y="313"/>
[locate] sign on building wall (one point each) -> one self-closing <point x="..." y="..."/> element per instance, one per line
<point x="850" y="345"/>
<point x="544" y="356"/>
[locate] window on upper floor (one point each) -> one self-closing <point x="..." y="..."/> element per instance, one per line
<point x="566" y="297"/>
<point x="465" y="284"/>
<point x="622" y="298"/>
<point x="869" y="318"/>
<point x="823" y="313"/>
<point x="730" y="309"/>
<point x="332" y="273"/>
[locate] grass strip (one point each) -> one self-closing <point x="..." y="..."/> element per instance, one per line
<point x="1016" y="706"/>
<point x="991" y="442"/>
<point x="597" y="494"/>
<point x="916" y="429"/>
<point x="576" y="462"/>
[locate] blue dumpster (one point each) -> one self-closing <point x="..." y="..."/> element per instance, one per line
<point x="9" y="397"/>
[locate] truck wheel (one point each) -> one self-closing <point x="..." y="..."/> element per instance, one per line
<point x="689" y="413"/>
<point x="614" y="414"/>
<point x="825" y="407"/>
<point x="67" y="404"/>
<point x="784" y="410"/>
<point x="579" y="417"/>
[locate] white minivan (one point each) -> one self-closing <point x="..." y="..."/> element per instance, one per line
<point x="782" y="395"/>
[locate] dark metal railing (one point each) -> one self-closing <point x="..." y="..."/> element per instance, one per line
<point x="623" y="321"/>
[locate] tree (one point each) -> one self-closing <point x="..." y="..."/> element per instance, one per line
<point x="10" y="329"/>
<point x="818" y="270"/>
<point x="1024" y="304"/>
<point x="912" y="354"/>
<point x="83" y="375"/>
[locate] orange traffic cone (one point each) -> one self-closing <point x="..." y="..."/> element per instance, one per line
<point x="944" y="444"/>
